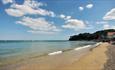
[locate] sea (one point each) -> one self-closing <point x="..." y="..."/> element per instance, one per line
<point x="13" y="51"/>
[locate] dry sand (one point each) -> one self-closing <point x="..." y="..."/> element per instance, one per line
<point x="95" y="60"/>
<point x="110" y="64"/>
<point x="84" y="59"/>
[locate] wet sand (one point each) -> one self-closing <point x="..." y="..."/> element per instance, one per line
<point x="85" y="59"/>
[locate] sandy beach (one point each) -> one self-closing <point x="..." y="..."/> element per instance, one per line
<point x="110" y="64"/>
<point x="94" y="60"/>
<point x="85" y="59"/>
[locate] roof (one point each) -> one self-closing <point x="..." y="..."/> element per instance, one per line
<point x="110" y="33"/>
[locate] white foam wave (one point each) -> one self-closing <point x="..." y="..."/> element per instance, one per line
<point x="78" y="48"/>
<point x="82" y="47"/>
<point x="88" y="46"/>
<point x="54" y="53"/>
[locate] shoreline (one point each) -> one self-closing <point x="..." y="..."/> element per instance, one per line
<point x="54" y="62"/>
<point x="48" y="54"/>
<point x="7" y="62"/>
<point x="95" y="60"/>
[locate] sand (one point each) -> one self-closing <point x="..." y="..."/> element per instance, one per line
<point x="95" y="60"/>
<point x="110" y="64"/>
<point x="85" y="59"/>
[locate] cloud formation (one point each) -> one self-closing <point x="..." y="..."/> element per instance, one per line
<point x="62" y="16"/>
<point x="107" y="26"/>
<point x="89" y="6"/>
<point x="14" y="12"/>
<point x="32" y="7"/>
<point x="81" y="8"/>
<point x="110" y="15"/>
<point x="7" y="1"/>
<point x="101" y="22"/>
<point x="74" y="24"/>
<point x="38" y="25"/>
<point x="29" y="7"/>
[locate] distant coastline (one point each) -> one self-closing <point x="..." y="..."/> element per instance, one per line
<point x="101" y="35"/>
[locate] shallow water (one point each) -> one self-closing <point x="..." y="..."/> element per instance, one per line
<point x="14" y="51"/>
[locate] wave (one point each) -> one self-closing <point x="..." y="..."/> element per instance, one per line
<point x="78" y="48"/>
<point x="54" y="53"/>
<point x="87" y="46"/>
<point x="83" y="47"/>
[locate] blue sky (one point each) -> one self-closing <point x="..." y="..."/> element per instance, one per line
<point x="54" y="19"/>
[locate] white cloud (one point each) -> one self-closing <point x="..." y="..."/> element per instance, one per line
<point x="30" y="7"/>
<point x="40" y="32"/>
<point x="14" y="12"/>
<point x="33" y="3"/>
<point x="81" y="8"/>
<point x="38" y="25"/>
<point x="107" y="26"/>
<point x="110" y="15"/>
<point x="101" y="22"/>
<point x="89" y="6"/>
<point x="68" y="17"/>
<point x="62" y="16"/>
<point x="74" y="24"/>
<point x="7" y="1"/>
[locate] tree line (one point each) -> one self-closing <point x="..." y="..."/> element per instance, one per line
<point x="98" y="36"/>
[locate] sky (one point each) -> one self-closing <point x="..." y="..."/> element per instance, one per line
<point x="54" y="19"/>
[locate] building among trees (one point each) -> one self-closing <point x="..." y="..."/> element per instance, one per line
<point x="102" y="35"/>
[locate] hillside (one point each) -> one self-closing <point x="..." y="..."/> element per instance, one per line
<point x="98" y="36"/>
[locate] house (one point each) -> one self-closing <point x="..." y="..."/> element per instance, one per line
<point x="111" y="35"/>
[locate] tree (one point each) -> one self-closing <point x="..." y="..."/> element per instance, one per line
<point x="98" y="35"/>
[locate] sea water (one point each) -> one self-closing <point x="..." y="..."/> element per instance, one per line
<point x="16" y="51"/>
